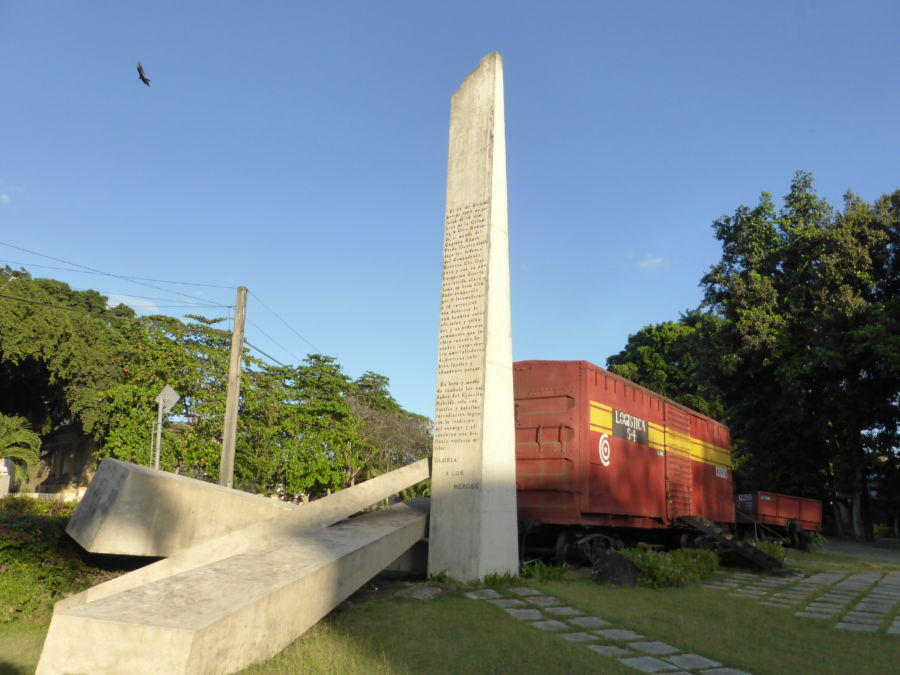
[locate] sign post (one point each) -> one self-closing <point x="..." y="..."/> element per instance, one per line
<point x="166" y="400"/>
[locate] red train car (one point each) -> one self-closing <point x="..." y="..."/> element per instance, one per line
<point x="594" y="450"/>
<point x="784" y="512"/>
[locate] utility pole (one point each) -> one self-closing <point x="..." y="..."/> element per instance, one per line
<point x="226" y="466"/>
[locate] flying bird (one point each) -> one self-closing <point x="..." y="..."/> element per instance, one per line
<point x="143" y="78"/>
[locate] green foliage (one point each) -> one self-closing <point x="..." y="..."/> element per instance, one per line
<point x="773" y="549"/>
<point x="440" y="577"/>
<point x="500" y="580"/>
<point x="672" y="569"/>
<point x="20" y="444"/>
<point x="543" y="573"/>
<point x="38" y="562"/>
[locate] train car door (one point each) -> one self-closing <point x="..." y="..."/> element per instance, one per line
<point x="679" y="480"/>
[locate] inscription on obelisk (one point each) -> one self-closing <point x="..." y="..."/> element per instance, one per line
<point x="473" y="528"/>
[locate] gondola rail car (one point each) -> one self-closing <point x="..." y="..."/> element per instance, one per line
<point x="601" y="461"/>
<point x="790" y="518"/>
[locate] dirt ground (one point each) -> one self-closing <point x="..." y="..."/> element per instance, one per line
<point x="884" y="550"/>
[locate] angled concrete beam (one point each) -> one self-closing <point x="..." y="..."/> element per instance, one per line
<point x="134" y="510"/>
<point x="222" y="617"/>
<point x="313" y="516"/>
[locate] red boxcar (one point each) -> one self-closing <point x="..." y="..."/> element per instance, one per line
<point x="593" y="449"/>
<point x="780" y="511"/>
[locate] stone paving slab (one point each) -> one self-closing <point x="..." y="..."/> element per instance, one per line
<point x="725" y="671"/>
<point x="894" y="630"/>
<point x="549" y="624"/>
<point x="870" y="620"/>
<point x="542" y="600"/>
<point x="648" y="664"/>
<point x="693" y="661"/>
<point x="420" y="592"/>
<point x="525" y="614"/>
<point x="508" y="602"/>
<point x="522" y="591"/>
<point x="579" y="637"/>
<point x="656" y="648"/>
<point x="619" y="634"/>
<point x="608" y="650"/>
<point x="811" y="615"/>
<point x="562" y="611"/>
<point x="483" y="594"/>
<point x="857" y="627"/>
<point x="588" y="622"/>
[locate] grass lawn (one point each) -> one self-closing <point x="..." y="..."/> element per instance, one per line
<point x="379" y="633"/>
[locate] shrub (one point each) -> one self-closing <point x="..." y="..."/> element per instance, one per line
<point x="38" y="561"/>
<point x="771" y="548"/>
<point x="672" y="569"/>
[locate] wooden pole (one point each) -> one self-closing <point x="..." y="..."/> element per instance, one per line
<point x="226" y="466"/>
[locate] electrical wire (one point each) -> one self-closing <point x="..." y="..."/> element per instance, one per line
<point x="296" y="332"/>
<point x="274" y="340"/>
<point x="132" y="280"/>
<point x="269" y="356"/>
<point x="69" y="269"/>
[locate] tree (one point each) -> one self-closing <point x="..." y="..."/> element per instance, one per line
<point x="20" y="444"/>
<point x="809" y="348"/>
<point x="673" y="359"/>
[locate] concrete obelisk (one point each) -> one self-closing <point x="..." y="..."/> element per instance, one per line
<point x="473" y="509"/>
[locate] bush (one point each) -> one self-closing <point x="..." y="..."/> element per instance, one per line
<point x="38" y="561"/>
<point x="771" y="548"/>
<point x="672" y="569"/>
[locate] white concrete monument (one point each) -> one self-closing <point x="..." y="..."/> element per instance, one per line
<point x="473" y="528"/>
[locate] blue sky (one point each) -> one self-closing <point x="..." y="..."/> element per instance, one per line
<point x="300" y="149"/>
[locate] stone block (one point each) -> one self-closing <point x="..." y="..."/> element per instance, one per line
<point x="543" y="600"/>
<point x="647" y="664"/>
<point x="655" y="648"/>
<point x="550" y="624"/>
<point x="619" y="634"/>
<point x="526" y="614"/>
<point x="420" y="592"/>
<point x="524" y="591"/>
<point x="608" y="650"/>
<point x="483" y="594"/>
<point x="692" y="661"/>
<point x="508" y="602"/>
<point x="860" y="627"/>
<point x="310" y="517"/>
<point x="134" y="510"/>
<point x="588" y="622"/>
<point x="578" y="637"/>
<point x="222" y="617"/>
<point x="562" y="611"/>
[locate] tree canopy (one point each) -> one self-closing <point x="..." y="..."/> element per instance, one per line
<point x="303" y="430"/>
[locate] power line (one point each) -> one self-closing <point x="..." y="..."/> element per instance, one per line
<point x="291" y="328"/>
<point x="69" y="269"/>
<point x="274" y="340"/>
<point x="92" y="269"/>
<point x="269" y="356"/>
<point x="71" y="309"/>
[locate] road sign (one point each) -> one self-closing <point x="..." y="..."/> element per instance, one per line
<point x="167" y="398"/>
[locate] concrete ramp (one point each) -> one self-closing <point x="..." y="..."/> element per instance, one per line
<point x="133" y="510"/>
<point x="223" y="616"/>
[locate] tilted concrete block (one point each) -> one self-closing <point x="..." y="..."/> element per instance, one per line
<point x="222" y="617"/>
<point x="134" y="510"/>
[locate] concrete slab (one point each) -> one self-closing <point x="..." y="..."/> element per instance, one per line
<point x="524" y="591"/>
<point x="619" y="634"/>
<point x="608" y="650"/>
<point x="813" y="615"/>
<point x="550" y="624"/>
<point x="692" y="661"/>
<point x="563" y="611"/>
<point x="508" y="602"/>
<point x="311" y="517"/>
<point x="647" y="664"/>
<point x="525" y="614"/>
<point x="579" y="637"/>
<point x="420" y="592"/>
<point x="222" y="617"/>
<point x="483" y="594"/>
<point x="543" y="601"/>
<point x="860" y="627"/>
<point x="587" y="622"/>
<point x="655" y="648"/>
<point x="725" y="671"/>
<point x="134" y="510"/>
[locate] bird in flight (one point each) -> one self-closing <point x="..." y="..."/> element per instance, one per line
<point x="143" y="78"/>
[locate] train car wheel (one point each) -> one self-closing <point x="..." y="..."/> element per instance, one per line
<point x="563" y="542"/>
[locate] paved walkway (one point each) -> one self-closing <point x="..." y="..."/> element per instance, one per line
<point x="608" y="641"/>
<point x="864" y="601"/>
